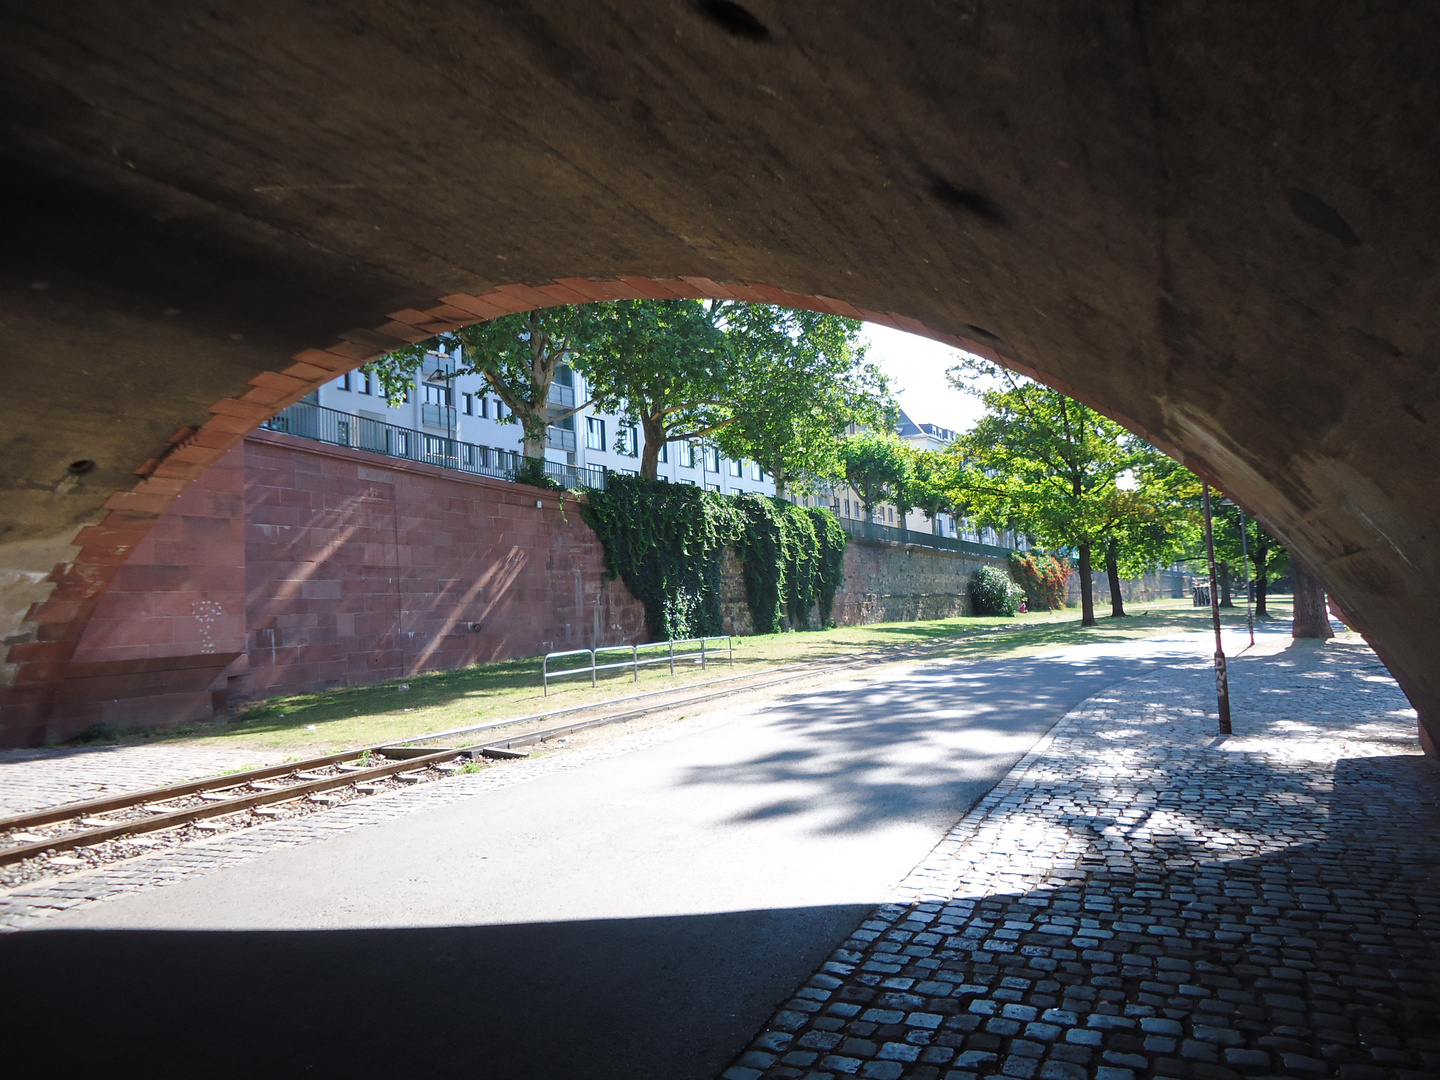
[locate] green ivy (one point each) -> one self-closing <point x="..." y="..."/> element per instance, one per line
<point x="667" y="541"/>
<point x="831" y="538"/>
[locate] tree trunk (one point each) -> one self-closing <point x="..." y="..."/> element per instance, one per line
<point x="1087" y="601"/>
<point x="1260" y="558"/>
<point x="531" y="445"/>
<point x="1112" y="571"/>
<point x="1222" y="574"/>
<point x="650" y="455"/>
<point x="777" y="474"/>
<point x="1312" y="619"/>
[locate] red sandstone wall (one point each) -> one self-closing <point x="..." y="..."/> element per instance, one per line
<point x="172" y="620"/>
<point x="359" y="571"/>
<point x="290" y="567"/>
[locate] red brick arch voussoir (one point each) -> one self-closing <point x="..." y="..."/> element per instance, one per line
<point x="40" y="665"/>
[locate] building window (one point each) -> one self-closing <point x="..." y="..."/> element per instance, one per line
<point x="712" y="487"/>
<point x="365" y="386"/>
<point x="437" y="395"/>
<point x="687" y="455"/>
<point x="664" y="455"/>
<point x="344" y="383"/>
<point x="712" y="459"/>
<point x="482" y="409"/>
<point x="628" y="442"/>
<point x="755" y="471"/>
<point x="594" y="433"/>
<point x="499" y="409"/>
<point x="847" y="507"/>
<point x="737" y="468"/>
<point x="468" y="400"/>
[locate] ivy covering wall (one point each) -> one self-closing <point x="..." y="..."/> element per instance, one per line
<point x="666" y="543"/>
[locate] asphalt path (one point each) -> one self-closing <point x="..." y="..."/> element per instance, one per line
<point x="638" y="917"/>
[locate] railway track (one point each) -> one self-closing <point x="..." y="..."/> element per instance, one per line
<point x="257" y="793"/>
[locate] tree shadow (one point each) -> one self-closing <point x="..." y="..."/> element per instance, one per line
<point x="922" y="746"/>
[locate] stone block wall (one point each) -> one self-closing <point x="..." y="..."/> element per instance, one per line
<point x="290" y="566"/>
<point x="359" y="571"/>
<point x="882" y="583"/>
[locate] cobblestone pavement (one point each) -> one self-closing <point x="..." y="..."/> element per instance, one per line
<point x="36" y="779"/>
<point x="1139" y="898"/>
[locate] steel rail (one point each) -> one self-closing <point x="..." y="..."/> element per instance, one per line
<point x="217" y="809"/>
<point x="172" y="791"/>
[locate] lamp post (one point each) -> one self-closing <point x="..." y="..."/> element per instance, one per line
<point x="1222" y="681"/>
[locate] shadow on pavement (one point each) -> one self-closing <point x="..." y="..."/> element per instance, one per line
<point x="608" y="998"/>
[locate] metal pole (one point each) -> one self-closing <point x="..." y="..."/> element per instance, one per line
<point x="672" y="656"/>
<point x="1245" y="555"/>
<point x="1222" y="682"/>
<point x="635" y="660"/>
<point x="592" y="669"/>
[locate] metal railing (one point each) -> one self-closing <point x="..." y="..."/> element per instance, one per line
<point x="336" y="428"/>
<point x="558" y="438"/>
<point x="637" y="661"/>
<point x="887" y="534"/>
<point x="437" y="415"/>
<point x="563" y="396"/>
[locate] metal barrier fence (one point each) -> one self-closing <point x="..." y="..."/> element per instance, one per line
<point x="361" y="433"/>
<point x="636" y="661"/>
<point x="888" y="534"/>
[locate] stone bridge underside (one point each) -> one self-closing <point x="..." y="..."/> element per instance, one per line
<point x="1215" y="221"/>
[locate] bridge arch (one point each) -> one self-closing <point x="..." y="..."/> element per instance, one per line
<point x="1214" y="223"/>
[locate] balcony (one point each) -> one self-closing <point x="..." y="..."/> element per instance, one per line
<point x="441" y="416"/>
<point x="561" y="398"/>
<point x="557" y="438"/>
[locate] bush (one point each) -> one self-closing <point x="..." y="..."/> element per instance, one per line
<point x="993" y="593"/>
<point x="1045" y="579"/>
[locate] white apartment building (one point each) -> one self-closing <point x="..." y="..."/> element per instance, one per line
<point x="444" y="407"/>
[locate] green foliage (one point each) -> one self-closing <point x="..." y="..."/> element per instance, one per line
<point x="532" y="472"/>
<point x="796" y="380"/>
<point x="993" y="593"/>
<point x="784" y="562"/>
<point x="662" y="365"/>
<point x="666" y="542"/>
<point x="932" y="484"/>
<point x="1045" y="579"/>
<point x="516" y="354"/>
<point x="831" y="538"/>
<point x="878" y="467"/>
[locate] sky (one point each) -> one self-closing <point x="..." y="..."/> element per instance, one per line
<point x="916" y="367"/>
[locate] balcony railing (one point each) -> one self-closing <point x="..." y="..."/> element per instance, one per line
<point x="336" y="428"/>
<point x="437" y="415"/>
<point x="562" y="397"/>
<point x="886" y="534"/>
<point x="558" y="438"/>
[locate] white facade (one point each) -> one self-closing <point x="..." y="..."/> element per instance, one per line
<point x="465" y="408"/>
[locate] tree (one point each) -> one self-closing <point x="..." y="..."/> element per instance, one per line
<point x="1311" y="619"/>
<point x="878" y="468"/>
<point x="1155" y="517"/>
<point x="796" y="380"/>
<point x="1042" y="462"/>
<point x="932" y="481"/>
<point x="516" y="354"/>
<point x="663" y="365"/>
